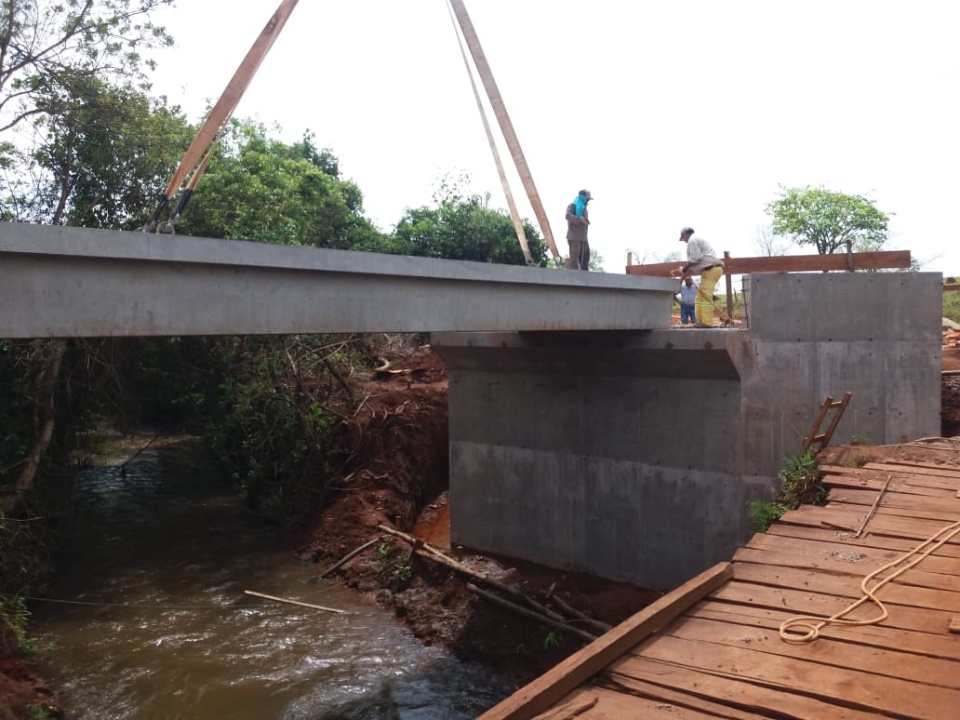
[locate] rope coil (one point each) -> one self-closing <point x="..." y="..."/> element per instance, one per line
<point x="806" y="628"/>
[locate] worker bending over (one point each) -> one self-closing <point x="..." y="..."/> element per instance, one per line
<point x="702" y="259"/>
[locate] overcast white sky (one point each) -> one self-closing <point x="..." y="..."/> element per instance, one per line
<point x="670" y="113"/>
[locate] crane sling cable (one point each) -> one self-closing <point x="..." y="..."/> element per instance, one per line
<point x="511" y="203"/>
<point x="506" y="127"/>
<point x="197" y="156"/>
<point x="806" y="628"/>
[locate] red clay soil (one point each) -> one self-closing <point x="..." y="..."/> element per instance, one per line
<point x="21" y="689"/>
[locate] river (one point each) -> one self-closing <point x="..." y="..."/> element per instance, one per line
<point x="157" y="625"/>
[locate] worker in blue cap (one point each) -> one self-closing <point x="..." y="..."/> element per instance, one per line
<point x="578" y="223"/>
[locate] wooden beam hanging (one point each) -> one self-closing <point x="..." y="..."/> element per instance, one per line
<point x="882" y="260"/>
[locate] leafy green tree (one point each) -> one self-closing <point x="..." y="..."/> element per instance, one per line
<point x="103" y="157"/>
<point x="465" y="228"/>
<point x="42" y="42"/>
<point x="828" y="220"/>
<point x="261" y="189"/>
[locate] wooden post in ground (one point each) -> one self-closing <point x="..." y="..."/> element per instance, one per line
<point x="726" y="264"/>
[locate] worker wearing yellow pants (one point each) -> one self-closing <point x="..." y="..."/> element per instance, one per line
<point x="702" y="259"/>
<point x="709" y="277"/>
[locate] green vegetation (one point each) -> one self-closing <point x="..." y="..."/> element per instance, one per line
<point x="14" y="615"/>
<point x="828" y="220"/>
<point x="951" y="306"/>
<point x="35" y="712"/>
<point x="552" y="640"/>
<point x="799" y="484"/>
<point x="393" y="569"/>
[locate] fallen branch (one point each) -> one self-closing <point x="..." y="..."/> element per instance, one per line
<point x="542" y="619"/>
<point x="602" y="627"/>
<point x="293" y="602"/>
<point x="346" y="558"/>
<point x="431" y="553"/>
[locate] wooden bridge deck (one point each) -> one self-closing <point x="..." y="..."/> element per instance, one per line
<point x="712" y="648"/>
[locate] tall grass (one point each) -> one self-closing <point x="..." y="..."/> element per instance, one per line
<point x="951" y="306"/>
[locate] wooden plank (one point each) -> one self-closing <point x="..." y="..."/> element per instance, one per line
<point x="677" y="698"/>
<point x="815" y="552"/>
<point x="862" y="690"/>
<point x="858" y="569"/>
<point x="738" y="692"/>
<point x="875" y="483"/>
<point x="927" y="470"/>
<point x="940" y="672"/>
<point x="811" y="602"/>
<point x="846" y="540"/>
<point x="904" y="476"/>
<point x="571" y="707"/>
<point x="909" y="641"/>
<point x="550" y="687"/>
<point x="837" y="516"/>
<point x="613" y="705"/>
<point x="942" y="462"/>
<point x="884" y="259"/>
<point x="893" y="499"/>
<point x="890" y="594"/>
<point x="735" y="692"/>
<point x="910" y="517"/>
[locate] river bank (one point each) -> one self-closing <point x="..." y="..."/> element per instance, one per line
<point x="394" y="451"/>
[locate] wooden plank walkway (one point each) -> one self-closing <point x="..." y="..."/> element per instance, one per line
<point x="713" y="647"/>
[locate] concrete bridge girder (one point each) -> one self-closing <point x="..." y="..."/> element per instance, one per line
<point x="75" y="282"/>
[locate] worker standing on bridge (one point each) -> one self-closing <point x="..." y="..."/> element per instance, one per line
<point x="578" y="222"/>
<point x="702" y="259"/>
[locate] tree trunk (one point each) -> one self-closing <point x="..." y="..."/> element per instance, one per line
<point x="48" y="376"/>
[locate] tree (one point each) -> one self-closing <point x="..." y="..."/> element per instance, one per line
<point x="101" y="159"/>
<point x="261" y="189"/>
<point x="44" y="42"/>
<point x="768" y="244"/>
<point x="828" y="220"/>
<point x="464" y="227"/>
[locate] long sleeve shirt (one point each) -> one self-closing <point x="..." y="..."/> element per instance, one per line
<point x="700" y="254"/>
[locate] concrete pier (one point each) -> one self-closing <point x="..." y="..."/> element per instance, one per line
<point x="634" y="454"/>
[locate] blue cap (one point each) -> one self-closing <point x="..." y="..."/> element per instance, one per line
<point x="687" y="230"/>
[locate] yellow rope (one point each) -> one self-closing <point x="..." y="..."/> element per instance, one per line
<point x="806" y="628"/>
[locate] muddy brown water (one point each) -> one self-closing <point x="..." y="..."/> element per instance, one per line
<point x="158" y="627"/>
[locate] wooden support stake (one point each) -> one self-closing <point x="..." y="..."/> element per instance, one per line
<point x="293" y="602"/>
<point x="346" y="558"/>
<point x="873" y="508"/>
<point x="602" y="627"/>
<point x="726" y="261"/>
<point x="537" y="617"/>
<point x="431" y="553"/>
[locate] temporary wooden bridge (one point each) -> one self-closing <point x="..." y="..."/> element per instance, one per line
<point x="713" y="647"/>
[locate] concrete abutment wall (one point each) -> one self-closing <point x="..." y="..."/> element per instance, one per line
<point x="633" y="454"/>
